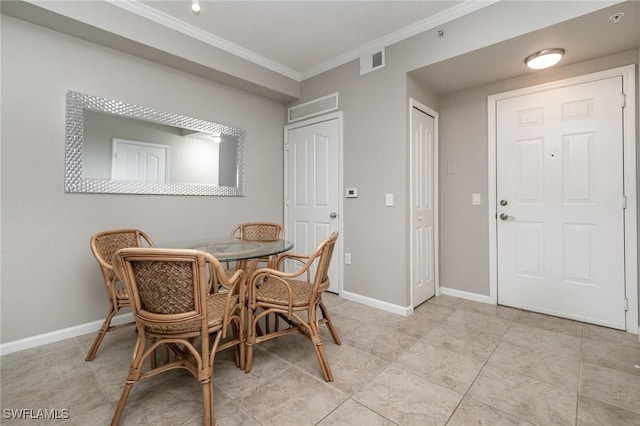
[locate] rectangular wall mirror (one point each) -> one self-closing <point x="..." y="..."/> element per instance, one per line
<point x="119" y="148"/>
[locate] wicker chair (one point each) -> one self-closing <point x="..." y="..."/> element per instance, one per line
<point x="288" y="295"/>
<point x="103" y="246"/>
<point x="259" y="231"/>
<point x="173" y="306"/>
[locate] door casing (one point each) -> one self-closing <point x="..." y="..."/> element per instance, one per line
<point x="630" y="187"/>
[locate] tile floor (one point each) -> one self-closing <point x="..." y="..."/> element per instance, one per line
<point x="452" y="362"/>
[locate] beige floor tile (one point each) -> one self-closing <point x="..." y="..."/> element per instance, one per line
<point x="378" y="341"/>
<point x="471" y="412"/>
<point x="503" y="312"/>
<point x="458" y="338"/>
<point x="544" y="340"/>
<point x="604" y="334"/>
<point x="595" y="413"/>
<point x="555" y="367"/>
<point x="550" y="323"/>
<point x="351" y="367"/>
<point x="234" y="381"/>
<point x="100" y="415"/>
<point x="294" y="398"/>
<point x="351" y="413"/>
<point x="612" y="355"/>
<point x="610" y="386"/>
<point x="445" y="300"/>
<point x="524" y="397"/>
<point x="442" y="366"/>
<point x="230" y="414"/>
<point x="479" y="322"/>
<point x="408" y="399"/>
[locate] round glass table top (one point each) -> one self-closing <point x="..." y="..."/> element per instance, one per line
<point x="234" y="249"/>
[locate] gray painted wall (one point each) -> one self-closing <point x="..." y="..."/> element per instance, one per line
<point x="50" y="281"/>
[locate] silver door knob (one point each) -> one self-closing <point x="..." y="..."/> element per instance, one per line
<point x="333" y="215"/>
<point x="505" y="216"/>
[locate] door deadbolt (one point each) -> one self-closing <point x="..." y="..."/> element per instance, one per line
<point x="503" y="202"/>
<point x="333" y="215"/>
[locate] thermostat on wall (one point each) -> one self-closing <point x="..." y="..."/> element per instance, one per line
<point x="351" y="192"/>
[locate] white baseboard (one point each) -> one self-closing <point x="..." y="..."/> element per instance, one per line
<point x="375" y="303"/>
<point x="56" y="336"/>
<point x="466" y="295"/>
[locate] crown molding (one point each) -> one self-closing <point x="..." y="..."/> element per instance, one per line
<point x="140" y="9"/>
<point x="147" y="12"/>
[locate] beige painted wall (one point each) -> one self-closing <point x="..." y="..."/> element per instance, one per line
<point x="464" y="229"/>
<point x="50" y="280"/>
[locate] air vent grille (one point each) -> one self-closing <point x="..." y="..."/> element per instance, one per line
<point x="372" y="61"/>
<point x="376" y="60"/>
<point x="315" y="107"/>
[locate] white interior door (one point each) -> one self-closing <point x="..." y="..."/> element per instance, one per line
<point x="423" y="246"/>
<point x="560" y="194"/>
<point x="139" y="161"/>
<point x="313" y="188"/>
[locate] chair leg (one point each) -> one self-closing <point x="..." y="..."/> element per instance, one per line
<point x="123" y="401"/>
<point x="330" y="326"/>
<point x="208" y="410"/>
<point x="316" y="340"/>
<point x="250" y="340"/>
<point x="101" y="333"/>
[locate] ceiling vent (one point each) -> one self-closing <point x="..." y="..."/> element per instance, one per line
<point x="372" y="61"/>
<point x="315" y="107"/>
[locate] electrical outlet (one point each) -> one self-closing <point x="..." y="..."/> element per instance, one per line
<point x="347" y="258"/>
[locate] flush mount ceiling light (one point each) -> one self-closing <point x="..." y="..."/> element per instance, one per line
<point x="544" y="58"/>
<point x="195" y="7"/>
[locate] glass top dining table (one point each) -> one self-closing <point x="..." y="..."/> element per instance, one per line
<point x="230" y="250"/>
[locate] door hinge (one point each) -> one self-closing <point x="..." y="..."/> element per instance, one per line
<point x="624" y="100"/>
<point x="624" y="201"/>
<point x="626" y="304"/>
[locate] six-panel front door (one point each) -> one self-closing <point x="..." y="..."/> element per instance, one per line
<point x="560" y="202"/>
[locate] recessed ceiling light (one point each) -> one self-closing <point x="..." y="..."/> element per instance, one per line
<point x="544" y="58"/>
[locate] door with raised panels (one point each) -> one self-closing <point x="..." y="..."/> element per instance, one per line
<point x="312" y="188"/>
<point x="560" y="201"/>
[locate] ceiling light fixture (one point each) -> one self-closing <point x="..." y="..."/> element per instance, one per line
<point x="544" y="58"/>
<point x="195" y="7"/>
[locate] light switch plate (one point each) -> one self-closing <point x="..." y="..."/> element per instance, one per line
<point x="388" y="200"/>
<point x="476" y="200"/>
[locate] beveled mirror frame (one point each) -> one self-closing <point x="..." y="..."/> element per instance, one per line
<point x="74" y="181"/>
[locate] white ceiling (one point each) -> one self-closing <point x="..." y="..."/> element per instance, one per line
<point x="300" y="39"/>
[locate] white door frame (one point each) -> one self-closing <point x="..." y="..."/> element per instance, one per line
<point x="630" y="190"/>
<point x="338" y="250"/>
<point x="416" y="104"/>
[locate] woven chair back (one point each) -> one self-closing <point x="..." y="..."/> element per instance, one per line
<point x="258" y="231"/>
<point x="165" y="284"/>
<point x="105" y="244"/>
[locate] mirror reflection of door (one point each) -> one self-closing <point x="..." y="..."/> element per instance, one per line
<point x="139" y="161"/>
